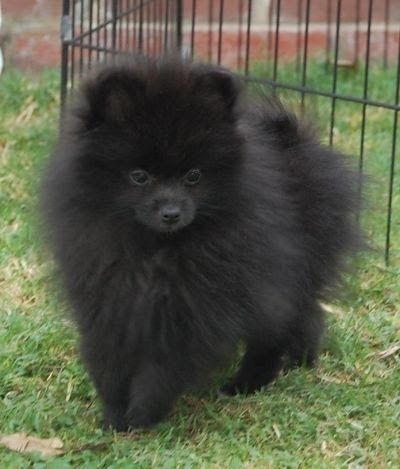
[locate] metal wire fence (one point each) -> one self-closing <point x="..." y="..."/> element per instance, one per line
<point x="337" y="60"/>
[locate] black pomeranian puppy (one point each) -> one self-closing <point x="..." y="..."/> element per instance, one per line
<point x="187" y="218"/>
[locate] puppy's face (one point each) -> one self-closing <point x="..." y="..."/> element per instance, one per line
<point x="170" y="188"/>
<point x="162" y="150"/>
<point x="165" y="204"/>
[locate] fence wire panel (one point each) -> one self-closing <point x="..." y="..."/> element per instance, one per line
<point x="336" y="60"/>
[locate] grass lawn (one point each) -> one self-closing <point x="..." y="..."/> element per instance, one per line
<point x="347" y="412"/>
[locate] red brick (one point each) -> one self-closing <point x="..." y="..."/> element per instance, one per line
<point x="33" y="51"/>
<point x="18" y="8"/>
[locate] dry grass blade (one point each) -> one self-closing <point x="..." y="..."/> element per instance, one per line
<point x="333" y="309"/>
<point x="30" y="106"/>
<point x="388" y="352"/>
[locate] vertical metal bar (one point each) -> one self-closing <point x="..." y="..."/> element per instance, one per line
<point x="160" y="27"/>
<point x="386" y="34"/>
<point x="167" y="7"/>
<point x="133" y="24"/>
<point x="154" y="21"/>
<point x="357" y="48"/>
<point x="105" y="31"/>
<point x="80" y="41"/>
<point x="179" y="24"/>
<point x="171" y="25"/>
<point x="172" y="32"/>
<point x="366" y="81"/>
<point x="299" y="22"/>
<point x="114" y="11"/>
<point x="120" y="25"/>
<point x="269" y="45"/>
<point x="98" y="31"/>
<point x="127" y="26"/>
<point x="72" y="69"/>
<point x="192" y="31"/>
<point x="305" y="55"/>
<point x="64" y="52"/>
<point x="335" y="70"/>
<point x="221" y="18"/>
<point x="210" y="32"/>
<point x="276" y="49"/>
<point x="248" y="38"/>
<point x="134" y="35"/>
<point x="328" y="33"/>
<point x="240" y="40"/>
<point x="140" y="38"/>
<point x="147" y="28"/>
<point x="90" y="34"/>
<point x="392" y="161"/>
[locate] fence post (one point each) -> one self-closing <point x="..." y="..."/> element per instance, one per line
<point x="179" y="21"/>
<point x="114" y="13"/>
<point x="65" y="36"/>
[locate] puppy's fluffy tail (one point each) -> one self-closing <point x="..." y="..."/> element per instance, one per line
<point x="281" y="126"/>
<point x="324" y="188"/>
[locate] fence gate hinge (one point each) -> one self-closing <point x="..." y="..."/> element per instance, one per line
<point x="65" y="28"/>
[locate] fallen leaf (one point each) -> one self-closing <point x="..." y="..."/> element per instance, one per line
<point x="22" y="443"/>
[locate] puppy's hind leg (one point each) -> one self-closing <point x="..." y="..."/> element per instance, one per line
<point x="261" y="365"/>
<point x="305" y="336"/>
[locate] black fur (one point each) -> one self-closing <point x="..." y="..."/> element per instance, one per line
<point x="253" y="247"/>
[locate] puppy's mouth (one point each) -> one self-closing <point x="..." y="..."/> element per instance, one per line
<point x="172" y="225"/>
<point x="171" y="229"/>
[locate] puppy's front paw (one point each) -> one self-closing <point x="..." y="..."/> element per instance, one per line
<point x="140" y="418"/>
<point x="114" y="419"/>
<point x="232" y="388"/>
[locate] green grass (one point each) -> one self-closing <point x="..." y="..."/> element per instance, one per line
<point x="347" y="412"/>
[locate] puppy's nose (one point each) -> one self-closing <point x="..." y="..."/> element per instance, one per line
<point x="170" y="214"/>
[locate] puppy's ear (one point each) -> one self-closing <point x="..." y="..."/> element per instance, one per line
<point x="112" y="96"/>
<point x="221" y="82"/>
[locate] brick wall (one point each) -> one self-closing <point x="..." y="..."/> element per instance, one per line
<point x="30" y="33"/>
<point x="30" y="30"/>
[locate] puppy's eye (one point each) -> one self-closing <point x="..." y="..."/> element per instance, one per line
<point x="193" y="176"/>
<point x="139" y="177"/>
